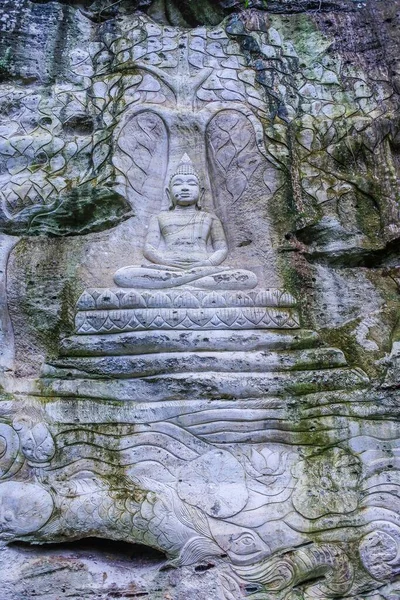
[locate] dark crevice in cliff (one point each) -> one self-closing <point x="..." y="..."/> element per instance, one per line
<point x="381" y="258"/>
<point x="97" y="546"/>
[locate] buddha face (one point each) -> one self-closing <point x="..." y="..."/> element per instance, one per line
<point x="184" y="190"/>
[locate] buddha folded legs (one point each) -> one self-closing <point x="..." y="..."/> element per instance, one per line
<point x="154" y="277"/>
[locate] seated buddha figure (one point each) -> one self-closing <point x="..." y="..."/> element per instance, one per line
<point x="185" y="244"/>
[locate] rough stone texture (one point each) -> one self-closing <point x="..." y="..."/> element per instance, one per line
<point x="199" y="403"/>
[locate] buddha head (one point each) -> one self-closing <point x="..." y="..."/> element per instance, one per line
<point x="184" y="186"/>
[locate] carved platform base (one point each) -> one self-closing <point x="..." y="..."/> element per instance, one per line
<point x="210" y="385"/>
<point x="132" y="345"/>
<point x="155" y="341"/>
<point x="200" y="362"/>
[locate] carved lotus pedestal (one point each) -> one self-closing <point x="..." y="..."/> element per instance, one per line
<point x="199" y="344"/>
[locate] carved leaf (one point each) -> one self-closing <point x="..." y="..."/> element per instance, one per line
<point x="231" y="138"/>
<point x="193" y="518"/>
<point x="229" y="588"/>
<point x="225" y="155"/>
<point x="196" y="550"/>
<point x="138" y="143"/>
<point x="237" y="184"/>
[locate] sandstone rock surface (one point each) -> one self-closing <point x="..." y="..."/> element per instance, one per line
<point x="199" y="299"/>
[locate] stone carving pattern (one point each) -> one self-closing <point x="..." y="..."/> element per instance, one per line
<point x="161" y="466"/>
<point x="26" y="506"/>
<point x="205" y="318"/>
<point x="110" y="299"/>
<point x="36" y="163"/>
<point x="38" y="158"/>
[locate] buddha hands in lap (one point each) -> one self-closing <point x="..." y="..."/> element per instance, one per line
<point x="185" y="244"/>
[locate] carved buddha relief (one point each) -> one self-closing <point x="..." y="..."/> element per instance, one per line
<point x="185" y="243"/>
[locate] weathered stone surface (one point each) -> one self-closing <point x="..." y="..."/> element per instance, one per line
<point x="199" y="299"/>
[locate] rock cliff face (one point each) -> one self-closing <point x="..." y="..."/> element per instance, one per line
<point x="199" y="299"/>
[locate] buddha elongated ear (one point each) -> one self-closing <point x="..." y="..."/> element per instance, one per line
<point x="199" y="202"/>
<point x="169" y="196"/>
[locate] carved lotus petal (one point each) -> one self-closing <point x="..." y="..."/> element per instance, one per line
<point x="216" y="321"/>
<point x="133" y="322"/>
<point x="187" y="323"/>
<point x="158" y="300"/>
<point x="158" y="321"/>
<point x="266" y="298"/>
<point x="132" y="299"/>
<point x="293" y="321"/>
<point x="278" y="317"/>
<point x="109" y="324"/>
<point x="228" y="316"/>
<point x="174" y="317"/>
<point x="213" y="299"/>
<point x="145" y="317"/>
<point x="91" y="320"/>
<point x="200" y="317"/>
<point x="86" y="301"/>
<point x="239" y="299"/>
<point x="107" y="299"/>
<point x="255" y="315"/>
<point x="186" y="300"/>
<point x="286" y="299"/>
<point x="120" y="318"/>
<point x="84" y="328"/>
<point x="242" y="321"/>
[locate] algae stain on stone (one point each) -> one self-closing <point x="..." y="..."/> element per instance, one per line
<point x="301" y="30"/>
